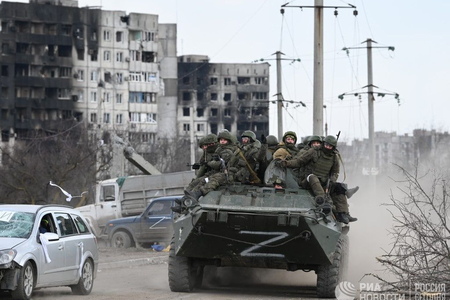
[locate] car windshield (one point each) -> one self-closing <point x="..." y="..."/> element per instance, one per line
<point x="16" y="224"/>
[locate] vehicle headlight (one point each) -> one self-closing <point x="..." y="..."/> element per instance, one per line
<point x="6" y="256"/>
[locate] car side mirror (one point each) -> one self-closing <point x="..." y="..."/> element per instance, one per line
<point x="51" y="236"/>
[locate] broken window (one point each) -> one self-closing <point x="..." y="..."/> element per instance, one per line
<point x="21" y="70"/>
<point x="214" y="96"/>
<point x="4" y="93"/>
<point x="200" y="96"/>
<point x="5" y="48"/>
<point x="243" y="80"/>
<point x="243" y="96"/>
<point x="213" y="80"/>
<point x="259" y="96"/>
<point x="22" y="48"/>
<point x="65" y="72"/>
<point x="64" y="51"/>
<point x="200" y="112"/>
<point x="214" y="112"/>
<point x="260" y="80"/>
<point x="63" y="93"/>
<point x="66" y="29"/>
<point x="4" y="71"/>
<point x="107" y="77"/>
<point x="94" y="34"/>
<point x="227" y="112"/>
<point x="186" y="112"/>
<point x="186" y="80"/>
<point x="227" y="97"/>
<point x="214" y="127"/>
<point x="119" y="36"/>
<point x="80" y="54"/>
<point x="50" y="29"/>
<point x="186" y="127"/>
<point x="148" y="57"/>
<point x="4" y="27"/>
<point x="135" y="35"/>
<point x="199" y="81"/>
<point x="227" y="81"/>
<point x="94" y="55"/>
<point x="186" y="96"/>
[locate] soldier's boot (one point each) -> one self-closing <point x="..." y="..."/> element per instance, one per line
<point x="351" y="219"/>
<point x="349" y="193"/>
<point x="196" y="194"/>
<point x="342" y="217"/>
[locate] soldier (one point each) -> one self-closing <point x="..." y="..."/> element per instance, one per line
<point x="321" y="171"/>
<point x="286" y="149"/>
<point x="225" y="161"/>
<point x="209" y="145"/>
<point x="250" y="148"/>
<point x="272" y="143"/>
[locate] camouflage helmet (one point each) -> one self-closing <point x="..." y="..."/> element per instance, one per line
<point x="210" y="139"/>
<point x="250" y="134"/>
<point x="272" y="140"/>
<point x="330" y="140"/>
<point x="314" y="138"/>
<point x="291" y="133"/>
<point x="201" y="142"/>
<point x="225" y="134"/>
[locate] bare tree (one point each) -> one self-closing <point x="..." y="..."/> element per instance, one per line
<point x="420" y="251"/>
<point x="68" y="158"/>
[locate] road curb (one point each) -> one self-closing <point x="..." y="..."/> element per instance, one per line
<point x="133" y="262"/>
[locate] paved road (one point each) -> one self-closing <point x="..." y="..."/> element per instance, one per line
<point x="142" y="274"/>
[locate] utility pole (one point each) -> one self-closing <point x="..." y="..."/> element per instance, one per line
<point x="279" y="96"/>
<point x="318" y="69"/>
<point x="318" y="59"/>
<point x="373" y="171"/>
<point x="191" y="133"/>
<point x="371" y="99"/>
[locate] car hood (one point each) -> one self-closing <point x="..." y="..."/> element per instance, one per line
<point x="125" y="220"/>
<point x="9" y="243"/>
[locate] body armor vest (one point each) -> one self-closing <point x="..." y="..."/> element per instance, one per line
<point x="323" y="166"/>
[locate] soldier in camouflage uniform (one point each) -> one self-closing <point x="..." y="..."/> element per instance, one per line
<point x="320" y="169"/>
<point x="272" y="144"/>
<point x="209" y="145"/>
<point x="225" y="162"/>
<point x="250" y="148"/>
<point x="286" y="149"/>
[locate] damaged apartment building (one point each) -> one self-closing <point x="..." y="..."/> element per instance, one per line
<point x="223" y="96"/>
<point x="108" y="69"/>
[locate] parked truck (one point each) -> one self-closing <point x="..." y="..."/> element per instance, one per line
<point x="129" y="196"/>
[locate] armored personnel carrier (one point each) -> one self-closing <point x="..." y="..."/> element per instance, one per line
<point x="258" y="227"/>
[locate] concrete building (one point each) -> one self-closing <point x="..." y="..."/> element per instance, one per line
<point x="224" y="96"/>
<point x="113" y="71"/>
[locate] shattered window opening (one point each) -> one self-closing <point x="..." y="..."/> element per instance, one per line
<point x="16" y="224"/>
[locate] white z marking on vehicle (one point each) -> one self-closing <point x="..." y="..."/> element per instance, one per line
<point x="250" y="251"/>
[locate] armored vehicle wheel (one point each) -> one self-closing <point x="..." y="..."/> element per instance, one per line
<point x="328" y="277"/>
<point x="183" y="277"/>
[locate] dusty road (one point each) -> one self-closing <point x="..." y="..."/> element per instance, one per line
<point x="141" y="274"/>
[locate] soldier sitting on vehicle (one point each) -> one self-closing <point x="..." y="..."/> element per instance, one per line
<point x="286" y="149"/>
<point x="249" y="158"/>
<point x="225" y="161"/>
<point x="320" y="170"/>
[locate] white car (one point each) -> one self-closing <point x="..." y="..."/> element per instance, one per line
<point x="45" y="246"/>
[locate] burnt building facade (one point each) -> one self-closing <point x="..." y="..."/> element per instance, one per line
<point x="108" y="69"/>
<point x="223" y="96"/>
<point x="37" y="42"/>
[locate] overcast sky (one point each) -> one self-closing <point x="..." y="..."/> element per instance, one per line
<point x="241" y="31"/>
